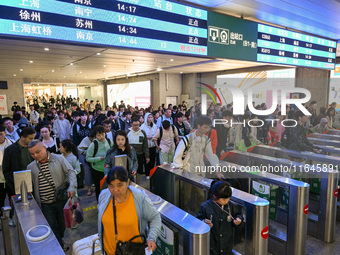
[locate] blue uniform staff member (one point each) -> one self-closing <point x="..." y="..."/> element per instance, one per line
<point x="134" y="213"/>
<point x="221" y="216"/>
<point x="49" y="172"/>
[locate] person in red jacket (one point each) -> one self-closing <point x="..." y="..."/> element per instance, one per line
<point x="212" y="134"/>
<point x="272" y="135"/>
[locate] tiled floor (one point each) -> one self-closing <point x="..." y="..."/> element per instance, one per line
<point x="89" y="227"/>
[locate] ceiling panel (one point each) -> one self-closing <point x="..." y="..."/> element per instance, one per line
<point x="56" y="63"/>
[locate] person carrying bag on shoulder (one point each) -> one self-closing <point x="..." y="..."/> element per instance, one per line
<point x="124" y="214"/>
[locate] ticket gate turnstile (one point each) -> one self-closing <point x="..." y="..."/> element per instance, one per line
<point x="310" y="158"/>
<point x="322" y="215"/>
<point x="291" y="240"/>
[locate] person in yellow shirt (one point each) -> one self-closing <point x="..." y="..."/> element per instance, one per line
<point x="134" y="212"/>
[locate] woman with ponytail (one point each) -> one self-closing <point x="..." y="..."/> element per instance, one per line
<point x="70" y="153"/>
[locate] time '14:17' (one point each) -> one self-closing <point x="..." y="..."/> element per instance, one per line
<point x="126" y="8"/>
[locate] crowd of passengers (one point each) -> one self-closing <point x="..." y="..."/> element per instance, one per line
<point x="81" y="140"/>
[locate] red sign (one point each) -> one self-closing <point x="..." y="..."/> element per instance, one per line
<point x="336" y="193"/>
<point x="305" y="209"/>
<point x="265" y="232"/>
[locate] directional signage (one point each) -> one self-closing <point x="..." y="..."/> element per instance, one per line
<point x="157" y="25"/>
<point x="281" y="46"/>
<point x="234" y="38"/>
<point x="230" y="37"/>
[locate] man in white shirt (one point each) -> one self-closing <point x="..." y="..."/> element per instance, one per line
<point x="4" y="143"/>
<point x="108" y="132"/>
<point x="166" y="116"/>
<point x="198" y="145"/>
<point x="62" y="127"/>
<point x="189" y="156"/>
<point x="34" y="115"/>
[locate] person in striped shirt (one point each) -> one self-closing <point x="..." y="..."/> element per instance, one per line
<point x="49" y="172"/>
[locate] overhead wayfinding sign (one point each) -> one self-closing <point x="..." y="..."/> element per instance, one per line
<point x="156" y="25"/>
<point x="230" y="37"/>
<point x="280" y="46"/>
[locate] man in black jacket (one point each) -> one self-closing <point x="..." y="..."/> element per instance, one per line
<point x="17" y="157"/>
<point x="297" y="135"/>
<point x="81" y="129"/>
<point x="15" y="107"/>
<point x="182" y="131"/>
<point x="225" y="139"/>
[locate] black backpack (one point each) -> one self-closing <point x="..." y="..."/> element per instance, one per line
<point x="161" y="134"/>
<point x="96" y="146"/>
<point x="285" y="138"/>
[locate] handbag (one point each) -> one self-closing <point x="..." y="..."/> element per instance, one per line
<point x="73" y="213"/>
<point x="60" y="194"/>
<point x="127" y="248"/>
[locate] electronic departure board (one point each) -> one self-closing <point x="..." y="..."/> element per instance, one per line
<point x="281" y="46"/>
<point x="156" y="25"/>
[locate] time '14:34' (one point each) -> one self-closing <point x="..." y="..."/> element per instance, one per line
<point x="129" y="30"/>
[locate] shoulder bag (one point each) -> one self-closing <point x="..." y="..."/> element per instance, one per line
<point x="61" y="193"/>
<point x="127" y="248"/>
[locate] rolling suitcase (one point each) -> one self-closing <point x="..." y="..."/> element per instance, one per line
<point x="87" y="246"/>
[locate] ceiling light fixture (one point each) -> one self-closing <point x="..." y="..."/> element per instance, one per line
<point x="171" y="59"/>
<point x="181" y="72"/>
<point x="80" y="72"/>
<point x="52" y="71"/>
<point x="71" y="64"/>
<point x="159" y="69"/>
<point x="98" y="54"/>
<point x="31" y="61"/>
<point x="21" y="70"/>
<point x="46" y="49"/>
<point x="14" y="75"/>
<point x="104" y="66"/>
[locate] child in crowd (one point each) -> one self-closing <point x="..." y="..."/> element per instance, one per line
<point x="221" y="216"/>
<point x="272" y="135"/>
<point x="70" y="153"/>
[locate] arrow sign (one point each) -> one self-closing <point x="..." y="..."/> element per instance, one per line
<point x="265" y="232"/>
<point x="305" y="209"/>
<point x="213" y="33"/>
